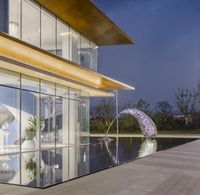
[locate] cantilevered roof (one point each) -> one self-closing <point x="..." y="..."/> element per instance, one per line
<point x="85" y="17"/>
<point x="39" y="63"/>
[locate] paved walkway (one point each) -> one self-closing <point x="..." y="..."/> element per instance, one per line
<point x="171" y="172"/>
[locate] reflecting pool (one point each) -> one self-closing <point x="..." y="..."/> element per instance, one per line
<point x="53" y="166"/>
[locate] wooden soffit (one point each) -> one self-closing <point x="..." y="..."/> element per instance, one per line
<point x="38" y="59"/>
<point x="85" y="17"/>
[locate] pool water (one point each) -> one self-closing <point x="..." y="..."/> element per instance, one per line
<point x="50" y="167"/>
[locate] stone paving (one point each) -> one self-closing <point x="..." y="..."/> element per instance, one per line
<point x="174" y="171"/>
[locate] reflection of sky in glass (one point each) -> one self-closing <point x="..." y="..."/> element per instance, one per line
<point x="13" y="132"/>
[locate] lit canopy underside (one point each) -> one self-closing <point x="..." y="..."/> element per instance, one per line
<point x="24" y="58"/>
<point x="88" y="19"/>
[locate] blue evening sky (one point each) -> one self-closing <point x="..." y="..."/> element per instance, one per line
<point x="166" y="54"/>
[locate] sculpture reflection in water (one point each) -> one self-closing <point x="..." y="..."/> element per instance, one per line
<point x="148" y="129"/>
<point x="147" y="146"/>
<point x="113" y="156"/>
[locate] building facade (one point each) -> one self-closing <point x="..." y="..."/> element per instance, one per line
<point x="48" y="72"/>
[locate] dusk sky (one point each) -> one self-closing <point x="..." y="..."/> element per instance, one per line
<point x="166" y="53"/>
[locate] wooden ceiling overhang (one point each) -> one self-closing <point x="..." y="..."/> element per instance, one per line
<point x="85" y="17"/>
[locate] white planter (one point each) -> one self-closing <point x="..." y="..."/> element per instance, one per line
<point x="28" y="145"/>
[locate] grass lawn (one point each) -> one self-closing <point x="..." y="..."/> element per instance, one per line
<point x="161" y="132"/>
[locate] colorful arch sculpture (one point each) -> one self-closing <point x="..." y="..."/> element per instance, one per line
<point x="146" y="124"/>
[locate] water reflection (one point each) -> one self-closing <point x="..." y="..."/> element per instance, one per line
<point x="140" y="148"/>
<point x="107" y="143"/>
<point x="148" y="146"/>
<point x="48" y="167"/>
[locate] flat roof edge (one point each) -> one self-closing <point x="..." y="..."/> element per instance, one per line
<point x="89" y="20"/>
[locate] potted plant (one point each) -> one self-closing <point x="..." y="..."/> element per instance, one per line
<point x="32" y="167"/>
<point x="29" y="143"/>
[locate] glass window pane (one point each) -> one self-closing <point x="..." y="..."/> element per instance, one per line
<point x="74" y="46"/>
<point x="93" y="56"/>
<point x="9" y="120"/>
<point x="73" y="121"/>
<point x="48" y="118"/>
<point x="31" y="22"/>
<point x="84" y="117"/>
<point x="31" y="169"/>
<point x="83" y="160"/>
<point x="63" y="37"/>
<point x="9" y="78"/>
<point x="48" y="32"/>
<point x="74" y="94"/>
<point x="14" y="18"/>
<point x="10" y="169"/>
<point x="62" y="91"/>
<point x="30" y="120"/>
<point x="49" y="173"/>
<point x="73" y="161"/>
<point x="85" y="52"/>
<point x="47" y="87"/>
<point x="62" y="161"/>
<point x="78" y="163"/>
<point x="62" y="121"/>
<point x="30" y="83"/>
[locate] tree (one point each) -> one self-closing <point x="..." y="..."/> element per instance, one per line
<point x="186" y="101"/>
<point x="198" y="94"/>
<point x="127" y="105"/>
<point x="165" y="108"/>
<point x="162" y="115"/>
<point x="143" y="106"/>
<point x="105" y="112"/>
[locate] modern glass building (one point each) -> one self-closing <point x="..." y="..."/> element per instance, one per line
<point x="48" y="72"/>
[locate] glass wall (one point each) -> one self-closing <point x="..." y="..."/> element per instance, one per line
<point x="85" y="52"/>
<point x="30" y="32"/>
<point x="74" y="46"/>
<point x="35" y="25"/>
<point x="9" y="120"/>
<point x="9" y="112"/>
<point x="30" y="113"/>
<point x="48" y="32"/>
<point x="62" y="115"/>
<point x="93" y="57"/>
<point x="38" y="121"/>
<point x="63" y="40"/>
<point x="84" y="117"/>
<point x="14" y="18"/>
